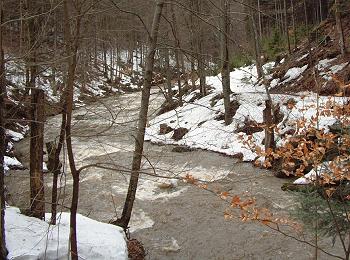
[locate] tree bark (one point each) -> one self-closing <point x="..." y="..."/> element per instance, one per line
<point x="256" y="46"/>
<point x="260" y="20"/>
<point x="305" y="14"/>
<point x="169" y="95"/>
<point x="56" y="167"/>
<point x="286" y="24"/>
<point x="340" y="27"/>
<point x="268" y="120"/>
<point x="225" y="71"/>
<point x="177" y="53"/>
<point x="37" y="198"/>
<point x="3" y="250"/>
<point x="294" y="27"/>
<point x="192" y="48"/>
<point x="72" y="44"/>
<point x="199" y="53"/>
<point x="139" y="142"/>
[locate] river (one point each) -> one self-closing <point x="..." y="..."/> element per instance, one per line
<point x="174" y="220"/>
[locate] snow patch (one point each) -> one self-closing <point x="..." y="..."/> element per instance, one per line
<point x="31" y="238"/>
<point x="336" y="68"/>
<point x="294" y="73"/>
<point x="15" y="136"/>
<point x="312" y="175"/>
<point x="11" y="162"/>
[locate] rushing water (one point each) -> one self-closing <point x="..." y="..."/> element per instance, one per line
<point x="174" y="220"/>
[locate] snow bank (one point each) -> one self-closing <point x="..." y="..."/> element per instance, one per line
<point x="320" y="171"/>
<point x="15" y="136"/>
<point x="294" y="73"/>
<point x="11" y="162"/>
<point x="326" y="70"/>
<point x="30" y="238"/>
<point x="206" y="129"/>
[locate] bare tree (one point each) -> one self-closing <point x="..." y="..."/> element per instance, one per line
<point x="340" y="27"/>
<point x="37" y="197"/>
<point x="37" y="204"/>
<point x="257" y="49"/>
<point x="139" y="140"/>
<point x="225" y="71"/>
<point x="177" y="52"/>
<point x="3" y="250"/>
<point x="286" y="24"/>
<point x="199" y="48"/>
<point x="72" y="45"/>
<point x="294" y="25"/>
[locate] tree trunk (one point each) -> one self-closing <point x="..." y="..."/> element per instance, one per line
<point x="199" y="53"/>
<point x="340" y="27"/>
<point x="268" y="120"/>
<point x="256" y="47"/>
<point x="286" y="24"/>
<point x="260" y="22"/>
<point x="277" y="25"/>
<point x="177" y="53"/>
<point x="294" y="27"/>
<point x="169" y="95"/>
<point x="56" y="167"/>
<point x="72" y="44"/>
<point x="305" y="14"/>
<point x="105" y="66"/>
<point x="37" y="198"/>
<point x="3" y="250"/>
<point x="139" y="142"/>
<point x="111" y="65"/>
<point x="192" y="48"/>
<point x="225" y="71"/>
<point x="321" y="10"/>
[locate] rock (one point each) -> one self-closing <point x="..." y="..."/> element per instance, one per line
<point x="195" y="97"/>
<point x="168" y="106"/>
<point x="136" y="249"/>
<point x="182" y="149"/>
<point x="165" y="186"/>
<point x="79" y="117"/>
<point x="249" y="127"/>
<point x="338" y="128"/>
<point x="172" y="246"/>
<point x="201" y="123"/>
<point x="215" y="99"/>
<point x="297" y="187"/>
<point x="172" y="184"/>
<point x="164" y="129"/>
<point x="179" y="133"/>
<point x="234" y="106"/>
<point x="220" y="117"/>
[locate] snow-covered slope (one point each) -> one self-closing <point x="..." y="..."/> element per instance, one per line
<point x="31" y="239"/>
<point x="206" y="129"/>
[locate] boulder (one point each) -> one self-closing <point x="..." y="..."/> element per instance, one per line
<point x="179" y="133"/>
<point x="164" y="129"/>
